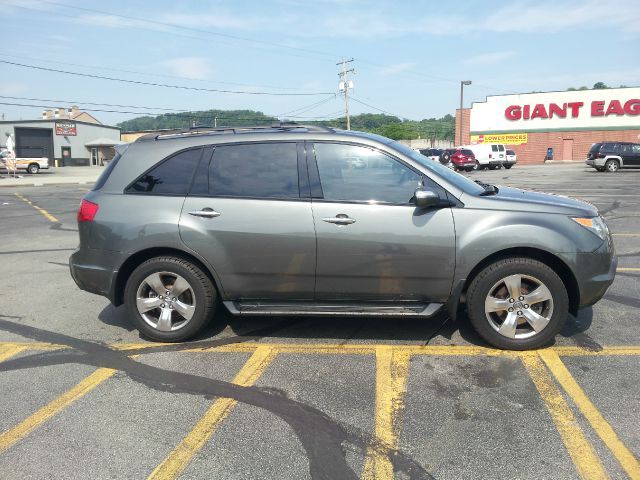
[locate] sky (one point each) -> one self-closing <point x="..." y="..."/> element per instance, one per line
<point x="409" y="56"/>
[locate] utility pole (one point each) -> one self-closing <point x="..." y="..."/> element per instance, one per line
<point x="462" y="84"/>
<point x="215" y="122"/>
<point x="344" y="86"/>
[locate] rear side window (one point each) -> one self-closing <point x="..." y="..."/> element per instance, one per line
<point x="494" y="148"/>
<point x="262" y="170"/>
<point x="104" y="176"/>
<point x="171" y="177"/>
<point x="466" y="152"/>
<point x="610" y="147"/>
<point x="595" y="148"/>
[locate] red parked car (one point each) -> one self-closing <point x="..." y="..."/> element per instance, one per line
<point x="463" y="159"/>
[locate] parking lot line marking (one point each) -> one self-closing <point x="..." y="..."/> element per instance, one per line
<point x="46" y="214"/>
<point x="8" y="438"/>
<point x="33" y="345"/>
<point x="626" y="269"/>
<point x="606" y="351"/>
<point x="180" y="457"/>
<point x="627" y="460"/>
<point x="9" y="351"/>
<point x="580" y="450"/>
<point x="392" y="370"/>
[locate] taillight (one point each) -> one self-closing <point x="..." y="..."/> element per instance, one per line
<point x="601" y="155"/>
<point x="87" y="211"/>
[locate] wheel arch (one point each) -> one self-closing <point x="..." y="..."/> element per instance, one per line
<point x="131" y="263"/>
<point x="543" y="256"/>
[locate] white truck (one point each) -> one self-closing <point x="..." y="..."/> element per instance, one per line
<point x="492" y="155"/>
<point x="31" y="165"/>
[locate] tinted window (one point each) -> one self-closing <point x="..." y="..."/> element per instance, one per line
<point x="494" y="148"/>
<point x="510" y="152"/>
<point x="595" y="148"/>
<point x="171" y="177"/>
<point x="501" y="148"/>
<point x="609" y="147"/>
<point x="263" y="170"/>
<point x="636" y="149"/>
<point x="355" y="173"/>
<point x="106" y="173"/>
<point x="466" y="152"/>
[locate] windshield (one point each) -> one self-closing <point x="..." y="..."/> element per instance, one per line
<point x="460" y="181"/>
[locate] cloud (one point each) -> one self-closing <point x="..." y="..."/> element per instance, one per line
<point x="197" y="68"/>
<point x="489" y="58"/>
<point x="396" y="68"/>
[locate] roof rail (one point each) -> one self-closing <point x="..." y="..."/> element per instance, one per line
<point x="202" y="130"/>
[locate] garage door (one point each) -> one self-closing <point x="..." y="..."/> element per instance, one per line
<point x="34" y="142"/>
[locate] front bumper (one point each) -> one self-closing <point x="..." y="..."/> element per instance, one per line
<point x="595" y="272"/>
<point x="94" y="270"/>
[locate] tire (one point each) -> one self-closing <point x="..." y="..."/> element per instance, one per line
<point x="444" y="158"/>
<point x="469" y="169"/>
<point x="477" y="166"/>
<point x="549" y="314"/>
<point x="508" y="166"/>
<point x="612" y="166"/>
<point x="33" y="168"/>
<point x="492" y="167"/>
<point x="181" y="319"/>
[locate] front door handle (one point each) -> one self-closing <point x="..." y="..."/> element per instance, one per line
<point x="340" y="219"/>
<point x="205" y="213"/>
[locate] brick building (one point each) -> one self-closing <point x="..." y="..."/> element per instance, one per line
<point x="568" y="122"/>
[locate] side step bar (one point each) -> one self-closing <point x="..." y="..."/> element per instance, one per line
<point x="332" y="309"/>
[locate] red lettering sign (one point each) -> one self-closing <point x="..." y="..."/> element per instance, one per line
<point x="599" y="108"/>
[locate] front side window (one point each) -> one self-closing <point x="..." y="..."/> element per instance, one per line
<point x="494" y="148"/>
<point x="362" y="174"/>
<point x="262" y="170"/>
<point x="636" y="149"/>
<point x="171" y="177"/>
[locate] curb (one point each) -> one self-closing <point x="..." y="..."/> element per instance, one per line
<point x="39" y="184"/>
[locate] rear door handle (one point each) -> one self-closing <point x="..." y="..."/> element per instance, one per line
<point x="340" y="219"/>
<point x="205" y="213"/>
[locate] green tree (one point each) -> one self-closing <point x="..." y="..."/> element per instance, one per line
<point x="599" y="86"/>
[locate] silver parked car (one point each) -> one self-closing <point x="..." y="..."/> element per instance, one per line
<point x="279" y="221"/>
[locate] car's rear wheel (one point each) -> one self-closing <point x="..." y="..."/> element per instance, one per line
<point x="477" y="166"/>
<point x="612" y="165"/>
<point x="33" y="168"/>
<point x="444" y="158"/>
<point x="169" y="299"/>
<point x="517" y="303"/>
<point x="508" y="166"/>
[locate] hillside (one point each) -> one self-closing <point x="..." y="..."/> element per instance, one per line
<point x="390" y="126"/>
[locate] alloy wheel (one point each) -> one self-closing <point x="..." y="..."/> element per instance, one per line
<point x="165" y="301"/>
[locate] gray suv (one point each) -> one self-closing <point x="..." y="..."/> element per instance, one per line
<point x="306" y="220"/>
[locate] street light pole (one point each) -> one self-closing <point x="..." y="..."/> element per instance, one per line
<point x="462" y="84"/>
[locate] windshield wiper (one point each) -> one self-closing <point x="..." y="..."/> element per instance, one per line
<point x="488" y="189"/>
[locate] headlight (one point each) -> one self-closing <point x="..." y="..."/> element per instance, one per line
<point x="595" y="225"/>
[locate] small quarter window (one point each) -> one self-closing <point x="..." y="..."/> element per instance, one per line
<point x="171" y="177"/>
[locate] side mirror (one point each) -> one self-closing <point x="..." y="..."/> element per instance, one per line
<point x="426" y="198"/>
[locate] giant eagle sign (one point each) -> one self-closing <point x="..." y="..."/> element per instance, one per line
<point x="615" y="108"/>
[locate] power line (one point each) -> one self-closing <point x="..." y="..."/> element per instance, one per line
<point x="193" y="29"/>
<point x="153" y="84"/>
<point x="76" y="102"/>
<point x="376" y="108"/>
<point x="149" y="74"/>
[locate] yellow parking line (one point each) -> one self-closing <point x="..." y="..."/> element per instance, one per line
<point x="46" y="214"/>
<point x="33" y="345"/>
<point x="580" y="450"/>
<point x="9" y="351"/>
<point x="605" y="352"/>
<point x="627" y="460"/>
<point x="627" y="269"/>
<point x="18" y="432"/>
<point x="180" y="457"/>
<point x="392" y="370"/>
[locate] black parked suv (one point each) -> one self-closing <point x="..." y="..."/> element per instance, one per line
<point x="611" y="156"/>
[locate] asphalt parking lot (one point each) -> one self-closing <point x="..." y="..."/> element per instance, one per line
<point x="83" y="396"/>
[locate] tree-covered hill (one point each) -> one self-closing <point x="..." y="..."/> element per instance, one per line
<point x="388" y="125"/>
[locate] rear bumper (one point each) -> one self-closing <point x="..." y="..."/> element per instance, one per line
<point x="94" y="271"/>
<point x="595" y="162"/>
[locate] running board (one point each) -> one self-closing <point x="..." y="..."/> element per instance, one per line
<point x="372" y="309"/>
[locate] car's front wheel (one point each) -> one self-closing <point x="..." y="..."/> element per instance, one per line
<point x="517" y="303"/>
<point x="33" y="168"/>
<point x="169" y="299"/>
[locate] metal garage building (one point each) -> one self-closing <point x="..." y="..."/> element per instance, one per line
<point x="561" y="125"/>
<point x="64" y="142"/>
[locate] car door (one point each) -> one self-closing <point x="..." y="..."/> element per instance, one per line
<point x="249" y="215"/>
<point x="634" y="157"/>
<point x="372" y="242"/>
